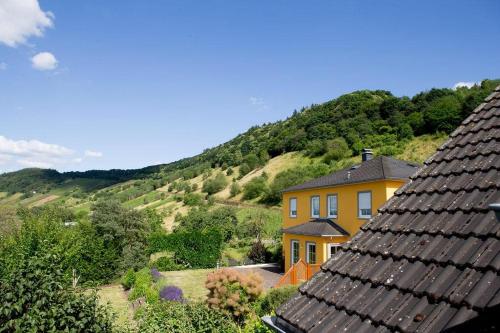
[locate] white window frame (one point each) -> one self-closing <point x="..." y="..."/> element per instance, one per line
<point x="335" y="246"/>
<point x="328" y="205"/>
<point x="308" y="252"/>
<point x="292" y="243"/>
<point x="291" y="214"/>
<point x="312" y="206"/>
<point x="360" y="215"/>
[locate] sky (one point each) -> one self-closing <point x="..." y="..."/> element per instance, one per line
<point x="126" y="84"/>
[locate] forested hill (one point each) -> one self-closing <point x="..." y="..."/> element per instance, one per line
<point x="340" y="127"/>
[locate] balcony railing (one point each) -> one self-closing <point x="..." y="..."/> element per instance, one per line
<point x="300" y="272"/>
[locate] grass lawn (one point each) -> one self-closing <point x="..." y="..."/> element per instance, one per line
<point x="192" y="282"/>
<point x="117" y="299"/>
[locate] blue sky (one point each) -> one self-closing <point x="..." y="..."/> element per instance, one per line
<point x="126" y="84"/>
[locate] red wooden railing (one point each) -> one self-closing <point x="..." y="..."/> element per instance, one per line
<point x="298" y="273"/>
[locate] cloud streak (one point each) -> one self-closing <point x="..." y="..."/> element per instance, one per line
<point x="92" y="153"/>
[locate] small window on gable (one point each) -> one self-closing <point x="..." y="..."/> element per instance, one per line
<point x="332" y="206"/>
<point x="293" y="207"/>
<point x="364" y="205"/>
<point x="315" y="206"/>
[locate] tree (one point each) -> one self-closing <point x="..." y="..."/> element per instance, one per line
<point x="337" y="149"/>
<point x="123" y="230"/>
<point x="443" y="114"/>
<point x="254" y="188"/>
<point x="212" y="186"/>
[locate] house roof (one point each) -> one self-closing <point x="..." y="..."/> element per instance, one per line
<point x="430" y="260"/>
<point x="317" y="227"/>
<point x="381" y="167"/>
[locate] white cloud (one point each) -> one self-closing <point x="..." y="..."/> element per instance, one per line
<point x="32" y="148"/>
<point x="259" y="103"/>
<point x="33" y="153"/>
<point x="22" y="19"/>
<point x="44" y="61"/>
<point x="465" y="84"/>
<point x="31" y="163"/>
<point x="3" y="66"/>
<point x="91" y="153"/>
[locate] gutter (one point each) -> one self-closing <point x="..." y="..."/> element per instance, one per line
<point x="271" y="323"/>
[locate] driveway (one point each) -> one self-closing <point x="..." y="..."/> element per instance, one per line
<point x="270" y="273"/>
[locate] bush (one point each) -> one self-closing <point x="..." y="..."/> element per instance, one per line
<point x="244" y="169"/>
<point x="143" y="282"/>
<point x="184" y="318"/>
<point x="193" y="199"/>
<point x="258" y="253"/>
<point x="273" y="299"/>
<point x="254" y="188"/>
<point x="128" y="279"/>
<point x="235" y="189"/>
<point x="35" y="297"/>
<point x="212" y="186"/>
<point x="171" y="293"/>
<point x="232" y="292"/>
<point x="337" y="150"/>
<point x="167" y="264"/>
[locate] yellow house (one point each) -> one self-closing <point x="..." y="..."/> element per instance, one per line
<point x="323" y="213"/>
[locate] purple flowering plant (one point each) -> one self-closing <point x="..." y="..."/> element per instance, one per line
<point x="156" y="274"/>
<point x="171" y="293"/>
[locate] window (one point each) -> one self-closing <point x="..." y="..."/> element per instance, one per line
<point x="364" y="205"/>
<point x="332" y="205"/>
<point x="315" y="206"/>
<point x="293" y="207"/>
<point x="294" y="247"/>
<point x="311" y="253"/>
<point x="332" y="249"/>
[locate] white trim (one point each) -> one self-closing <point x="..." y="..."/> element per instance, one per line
<point x="290" y="207"/>
<point x="315" y="252"/>
<point x="312" y="206"/>
<point x="328" y="205"/>
<point x="330" y="245"/>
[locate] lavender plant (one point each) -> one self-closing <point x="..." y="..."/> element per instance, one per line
<point x="171" y="293"/>
<point x="156" y="274"/>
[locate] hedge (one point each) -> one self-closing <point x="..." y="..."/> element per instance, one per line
<point x="198" y="249"/>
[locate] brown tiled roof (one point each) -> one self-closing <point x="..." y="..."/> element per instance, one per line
<point x="430" y="260"/>
<point x="317" y="227"/>
<point x="381" y="167"/>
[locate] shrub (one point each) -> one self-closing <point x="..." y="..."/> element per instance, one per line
<point x="183" y="318"/>
<point x="258" y="252"/>
<point x="128" y="279"/>
<point x="35" y="297"/>
<point x="193" y="199"/>
<point x="235" y="189"/>
<point x="155" y="274"/>
<point x="273" y="299"/>
<point x="171" y="293"/>
<point x="143" y="282"/>
<point x="212" y="186"/>
<point x="229" y="171"/>
<point x="167" y="264"/>
<point x="254" y="188"/>
<point x="337" y="150"/>
<point x="244" y="169"/>
<point x="233" y="292"/>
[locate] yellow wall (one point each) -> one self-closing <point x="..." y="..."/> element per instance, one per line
<point x="347" y="216"/>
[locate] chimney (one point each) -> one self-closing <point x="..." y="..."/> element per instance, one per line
<point x="366" y="154"/>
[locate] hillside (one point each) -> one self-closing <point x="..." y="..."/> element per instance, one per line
<point x="255" y="166"/>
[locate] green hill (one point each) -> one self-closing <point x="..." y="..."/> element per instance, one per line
<point x="252" y="168"/>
